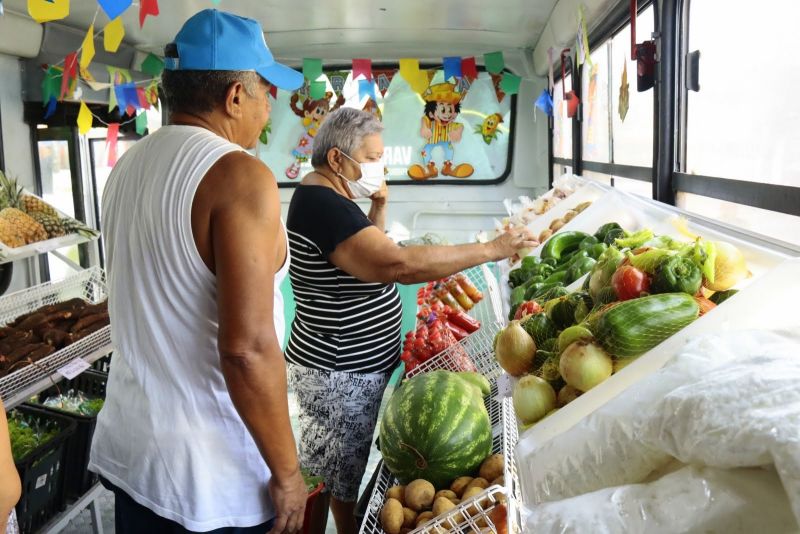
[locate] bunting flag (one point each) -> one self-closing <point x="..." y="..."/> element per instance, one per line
<point x="452" y="67"/>
<point x="312" y="68"/>
<point x="87" y="48"/>
<point x="114" y="8"/>
<point x="338" y="79"/>
<point x="51" y="84"/>
<point x="84" y="119"/>
<point x="316" y="90"/>
<point x="583" y="40"/>
<point x="469" y="69"/>
<point x="496" y="79"/>
<point x="366" y="88"/>
<point x="69" y="76"/>
<point x="51" y="107"/>
<point x="151" y="92"/>
<point x="384" y="79"/>
<point x="152" y="65"/>
<point x="494" y="62"/>
<point x="116" y="76"/>
<point x="141" y="123"/>
<point x="113" y="34"/>
<point x="147" y="7"/>
<point x="510" y="83"/>
<point x="111" y="143"/>
<point x="362" y="67"/>
<point x="142" y="97"/>
<point x="48" y="10"/>
<point x="87" y="77"/>
<point x="545" y="103"/>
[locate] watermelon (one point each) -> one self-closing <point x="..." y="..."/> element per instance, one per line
<point x="435" y="427"/>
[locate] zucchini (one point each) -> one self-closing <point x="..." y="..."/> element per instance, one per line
<point x="633" y="327"/>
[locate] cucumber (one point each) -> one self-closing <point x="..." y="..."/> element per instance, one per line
<point x="633" y="327"/>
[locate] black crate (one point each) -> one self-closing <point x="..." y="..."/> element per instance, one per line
<point x="42" y="472"/>
<point x="78" y="479"/>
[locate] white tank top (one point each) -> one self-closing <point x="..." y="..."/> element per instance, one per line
<point x="168" y="434"/>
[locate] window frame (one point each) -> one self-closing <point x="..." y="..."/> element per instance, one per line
<point x="439" y="181"/>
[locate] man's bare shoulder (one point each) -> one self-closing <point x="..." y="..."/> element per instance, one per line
<point x="238" y="176"/>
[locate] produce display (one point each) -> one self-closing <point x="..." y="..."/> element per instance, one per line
<point x="436" y="439"/>
<point x="27" y="434"/>
<point x="35" y="335"/>
<point x="26" y="219"/>
<point x="74" y="402"/>
<point x="442" y="321"/>
<point x="639" y="290"/>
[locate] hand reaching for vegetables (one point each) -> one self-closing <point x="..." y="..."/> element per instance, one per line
<point x="513" y="241"/>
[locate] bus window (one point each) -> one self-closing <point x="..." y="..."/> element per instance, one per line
<point x="562" y="125"/>
<point x="596" y="91"/>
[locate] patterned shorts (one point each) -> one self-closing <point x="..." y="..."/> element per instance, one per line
<point x="338" y="412"/>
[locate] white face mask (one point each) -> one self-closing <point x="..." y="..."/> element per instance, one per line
<point x="370" y="181"/>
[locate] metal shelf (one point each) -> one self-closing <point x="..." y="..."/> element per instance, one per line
<point x="89" y="285"/>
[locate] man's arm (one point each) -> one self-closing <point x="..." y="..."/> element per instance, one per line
<point x="245" y="236"/>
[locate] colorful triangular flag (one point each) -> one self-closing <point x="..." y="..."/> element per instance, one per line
<point x="362" y="67"/>
<point x="366" y="88"/>
<point x="141" y="123"/>
<point x="114" y="8"/>
<point x="494" y="62"/>
<point x="113" y="34"/>
<point x="111" y="143"/>
<point x="84" y="119"/>
<point x="510" y="83"/>
<point x="147" y="7"/>
<point x="48" y="10"/>
<point x="69" y="75"/>
<point x="87" y="48"/>
<point x="545" y="102"/>
<point x="316" y="90"/>
<point x="152" y="65"/>
<point x="469" y="69"/>
<point x="312" y="68"/>
<point x="452" y="67"/>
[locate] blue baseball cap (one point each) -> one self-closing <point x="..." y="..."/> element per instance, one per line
<point x="216" y="40"/>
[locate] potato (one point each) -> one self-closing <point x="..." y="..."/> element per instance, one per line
<point x="557" y="224"/>
<point x="470" y="493"/>
<point x="409" y="518"/>
<point x="397" y="492"/>
<point x="571" y="214"/>
<point x="392" y="516"/>
<point x="492" y="467"/>
<point x="424" y="517"/>
<point x="459" y="485"/>
<point x="545" y="235"/>
<point x="479" y="482"/>
<point x="582" y="206"/>
<point x="499" y="481"/>
<point x="419" y="495"/>
<point x="447" y="494"/>
<point x="442" y="505"/>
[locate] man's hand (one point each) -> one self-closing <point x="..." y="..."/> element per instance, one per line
<point x="380" y="198"/>
<point x="289" y="498"/>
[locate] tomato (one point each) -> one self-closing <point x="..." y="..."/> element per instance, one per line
<point x="629" y="282"/>
<point x="529" y="307"/>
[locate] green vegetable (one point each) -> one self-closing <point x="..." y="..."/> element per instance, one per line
<point x="677" y="275"/>
<point x="603" y="270"/>
<point x="607" y="295"/>
<point x="512" y="312"/>
<point x="517" y="277"/>
<point x="633" y="327"/>
<point x="613" y="235"/>
<point x="28" y="433"/>
<point x="549" y="344"/>
<point x="721" y="296"/>
<point x="588" y="242"/>
<point x="584" y="306"/>
<point x="552" y="262"/>
<point x="548" y="293"/>
<point x="517" y="295"/>
<point x="557" y="277"/>
<point x="650" y="260"/>
<point x="597" y="250"/>
<point x="635" y="240"/>
<point x="561" y="310"/>
<point x="529" y="262"/>
<point x="532" y="289"/>
<point x="91" y="407"/>
<point x="562" y="243"/>
<point x="579" y="268"/>
<point x="540" y="328"/>
<point x="603" y="231"/>
<point x="665" y="241"/>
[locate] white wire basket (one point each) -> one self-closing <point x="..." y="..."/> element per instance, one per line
<point x="459" y="517"/>
<point x="89" y="285"/>
<point x="510" y="473"/>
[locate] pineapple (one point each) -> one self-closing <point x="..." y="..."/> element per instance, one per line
<point x="53" y="225"/>
<point x="19" y="226"/>
<point x="71" y="225"/>
<point x="32" y="204"/>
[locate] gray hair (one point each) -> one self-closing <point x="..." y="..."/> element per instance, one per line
<point x="344" y="129"/>
<point x="200" y="91"/>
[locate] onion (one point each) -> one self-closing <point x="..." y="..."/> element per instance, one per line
<point x="584" y="365"/>
<point x="729" y="267"/>
<point x="567" y="395"/>
<point x="514" y="349"/>
<point x="533" y="399"/>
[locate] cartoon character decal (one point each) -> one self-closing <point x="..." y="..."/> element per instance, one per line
<point x="488" y="130"/>
<point x="313" y="113"/>
<point x="442" y="106"/>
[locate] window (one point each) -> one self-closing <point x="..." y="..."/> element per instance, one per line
<point x="562" y="125"/>
<point x="401" y="109"/>
<point x="745" y="127"/>
<point x="596" y="93"/>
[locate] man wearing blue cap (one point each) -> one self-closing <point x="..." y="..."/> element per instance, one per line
<point x="195" y="433"/>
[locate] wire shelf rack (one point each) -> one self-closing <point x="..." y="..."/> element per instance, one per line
<point x="510" y="473"/>
<point x="89" y="285"/>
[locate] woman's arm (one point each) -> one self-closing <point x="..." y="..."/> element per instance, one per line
<point x="377" y="211"/>
<point x="10" y="487"/>
<point x="371" y="256"/>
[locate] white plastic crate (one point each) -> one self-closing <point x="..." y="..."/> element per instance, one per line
<point x="510" y="473"/>
<point x="477" y="350"/>
<point x="489" y="497"/>
<point x="89" y="285"/>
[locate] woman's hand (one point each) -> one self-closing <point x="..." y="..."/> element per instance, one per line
<point x="380" y="198"/>
<point x="513" y="241"/>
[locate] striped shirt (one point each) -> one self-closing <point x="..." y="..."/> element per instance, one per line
<point x="441" y="131"/>
<point x="341" y="323"/>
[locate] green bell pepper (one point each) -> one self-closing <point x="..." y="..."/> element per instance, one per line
<point x="552" y="262"/>
<point x="528" y="262"/>
<point x="603" y="231"/>
<point x="517" y="295"/>
<point x="562" y="243"/>
<point x="588" y="243"/>
<point x="613" y="235"/>
<point x="557" y="277"/>
<point x="597" y="250"/>
<point x="676" y="274"/>
<point x="579" y="268"/>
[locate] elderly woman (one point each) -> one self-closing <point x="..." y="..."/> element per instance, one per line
<point x="345" y="339"/>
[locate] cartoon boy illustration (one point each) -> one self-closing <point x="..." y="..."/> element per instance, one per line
<point x="442" y="106"/>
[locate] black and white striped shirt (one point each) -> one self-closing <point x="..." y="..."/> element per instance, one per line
<point x="341" y="323"/>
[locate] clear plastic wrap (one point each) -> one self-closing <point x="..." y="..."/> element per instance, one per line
<point x="726" y="401"/>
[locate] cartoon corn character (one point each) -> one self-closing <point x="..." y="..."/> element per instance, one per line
<point x="442" y="106"/>
<point x="488" y="130"/>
